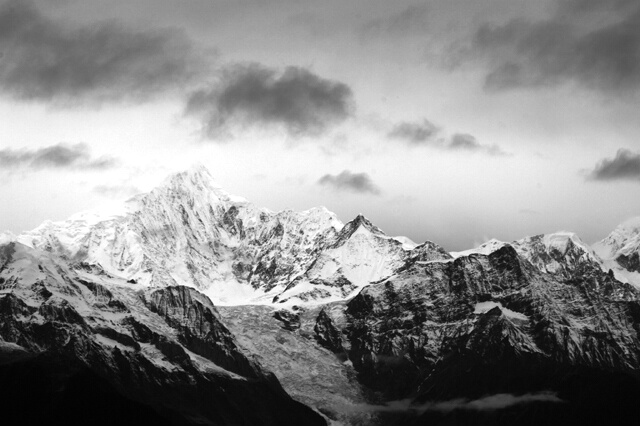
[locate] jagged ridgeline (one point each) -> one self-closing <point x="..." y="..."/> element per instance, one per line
<point x="193" y="306"/>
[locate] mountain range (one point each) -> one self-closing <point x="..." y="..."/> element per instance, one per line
<point x="189" y="305"/>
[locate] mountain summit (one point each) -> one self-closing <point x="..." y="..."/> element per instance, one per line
<point x="190" y="232"/>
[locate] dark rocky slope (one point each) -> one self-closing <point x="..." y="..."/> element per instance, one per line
<point x="162" y="353"/>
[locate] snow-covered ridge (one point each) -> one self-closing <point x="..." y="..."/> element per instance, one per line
<point x="484" y="249"/>
<point x="564" y="253"/>
<point x="189" y="231"/>
<point x="620" y="251"/>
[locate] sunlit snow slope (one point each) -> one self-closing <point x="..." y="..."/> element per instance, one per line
<point x="190" y="232"/>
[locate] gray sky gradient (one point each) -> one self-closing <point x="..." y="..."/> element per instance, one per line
<point x="450" y="121"/>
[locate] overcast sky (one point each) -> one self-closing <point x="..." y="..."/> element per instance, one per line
<point x="449" y="121"/>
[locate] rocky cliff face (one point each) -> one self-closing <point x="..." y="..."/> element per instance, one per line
<point x="486" y="325"/>
<point x="562" y="254"/>
<point x="409" y="321"/>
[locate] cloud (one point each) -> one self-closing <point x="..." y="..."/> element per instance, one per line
<point x="425" y="133"/>
<point x="489" y="403"/>
<point x="595" y="44"/>
<point x="116" y="191"/>
<point x="486" y="403"/>
<point x="414" y="132"/>
<point x="47" y="60"/>
<point x="347" y="181"/>
<point x="251" y="94"/>
<point x="624" y="166"/>
<point x="466" y="142"/>
<point x="59" y="156"/>
<point x="409" y="21"/>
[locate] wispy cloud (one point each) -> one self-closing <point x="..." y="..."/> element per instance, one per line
<point x="489" y="403"/>
<point x="464" y="141"/>
<point x="303" y="103"/>
<point x="59" y="156"/>
<point x="467" y="142"/>
<point x="116" y="191"/>
<point x="409" y="21"/>
<point x="49" y="60"/>
<point x="625" y="166"/>
<point x="425" y="133"/>
<point x="417" y="133"/>
<point x="348" y="181"/>
<point x="526" y="211"/>
<point x="486" y="403"/>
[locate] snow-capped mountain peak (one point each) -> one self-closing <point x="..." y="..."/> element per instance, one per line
<point x="196" y="182"/>
<point x="191" y="232"/>
<point x="622" y="240"/>
<point x="620" y="251"/>
<point x="562" y="253"/>
<point x="360" y="224"/>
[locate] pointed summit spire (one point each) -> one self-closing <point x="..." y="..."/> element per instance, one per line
<point x="197" y="182"/>
<point x="358" y="222"/>
<point x="197" y="178"/>
<point x="197" y="174"/>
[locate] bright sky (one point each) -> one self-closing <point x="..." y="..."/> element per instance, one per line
<point x="449" y="121"/>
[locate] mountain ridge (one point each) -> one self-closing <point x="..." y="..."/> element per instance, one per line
<point x="252" y="245"/>
<point x="189" y="285"/>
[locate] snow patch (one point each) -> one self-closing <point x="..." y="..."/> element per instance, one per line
<point x="407" y="243"/>
<point x="7" y="237"/>
<point x="484" y="249"/>
<point x="109" y="343"/>
<point x="483" y="307"/>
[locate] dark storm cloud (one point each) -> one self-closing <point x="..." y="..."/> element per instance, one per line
<point x="59" y="156"/>
<point x="624" y="166"/>
<point x="414" y="132"/>
<point x="44" y="59"/>
<point x="593" y="43"/>
<point x="348" y="181"/>
<point x="248" y="94"/>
